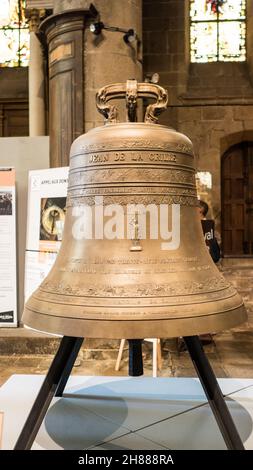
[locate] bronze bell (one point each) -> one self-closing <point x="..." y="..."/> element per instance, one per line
<point x="132" y="286"/>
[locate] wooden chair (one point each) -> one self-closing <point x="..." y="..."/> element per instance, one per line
<point x="157" y="354"/>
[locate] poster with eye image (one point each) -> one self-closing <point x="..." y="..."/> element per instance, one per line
<point x="47" y="191"/>
<point x="8" y="266"/>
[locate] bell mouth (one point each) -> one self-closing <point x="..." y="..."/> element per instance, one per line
<point x="100" y="327"/>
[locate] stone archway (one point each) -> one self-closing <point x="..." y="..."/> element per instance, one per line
<point x="237" y="200"/>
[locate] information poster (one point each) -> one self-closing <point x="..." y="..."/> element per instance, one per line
<point x="8" y="281"/>
<point x="47" y="191"/>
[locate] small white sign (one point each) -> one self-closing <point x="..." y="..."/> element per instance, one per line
<point x="47" y="192"/>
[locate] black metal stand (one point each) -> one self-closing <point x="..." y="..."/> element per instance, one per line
<point x="213" y="393"/>
<point x="60" y="371"/>
<point x="57" y="375"/>
<point x="135" y="365"/>
<point x="69" y="366"/>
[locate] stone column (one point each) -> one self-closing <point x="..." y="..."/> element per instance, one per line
<point x="64" y="31"/>
<point x="80" y="63"/>
<point x="36" y="77"/>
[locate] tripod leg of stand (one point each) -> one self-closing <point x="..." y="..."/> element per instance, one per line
<point x="214" y="394"/>
<point x="69" y="367"/>
<point x="135" y="357"/>
<point x="52" y="380"/>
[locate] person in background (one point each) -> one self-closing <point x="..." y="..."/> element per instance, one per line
<point x="208" y="228"/>
<point x="203" y="209"/>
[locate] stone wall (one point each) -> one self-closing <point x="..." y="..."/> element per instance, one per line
<point x="165" y="49"/>
<point x="213" y="130"/>
<point x="108" y="59"/>
<point x="211" y="103"/>
<point x="13" y="83"/>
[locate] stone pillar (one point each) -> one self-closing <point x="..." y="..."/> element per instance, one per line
<point x="64" y="32"/>
<point x="36" y="77"/>
<point x="63" y="5"/>
<point x="108" y="59"/>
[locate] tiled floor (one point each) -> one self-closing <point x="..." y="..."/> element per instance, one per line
<point x="113" y="413"/>
<point x="169" y="412"/>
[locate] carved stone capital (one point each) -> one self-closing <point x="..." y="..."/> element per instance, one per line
<point x="35" y="16"/>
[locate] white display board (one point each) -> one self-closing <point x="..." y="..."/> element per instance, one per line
<point x="47" y="191"/>
<point x="8" y="265"/>
<point x="1" y="427"/>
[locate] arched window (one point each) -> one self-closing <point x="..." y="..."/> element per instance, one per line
<point x="14" y="34"/>
<point x="218" y="30"/>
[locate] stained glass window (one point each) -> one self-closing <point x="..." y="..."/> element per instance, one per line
<point x="14" y="34"/>
<point x="218" y="30"/>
